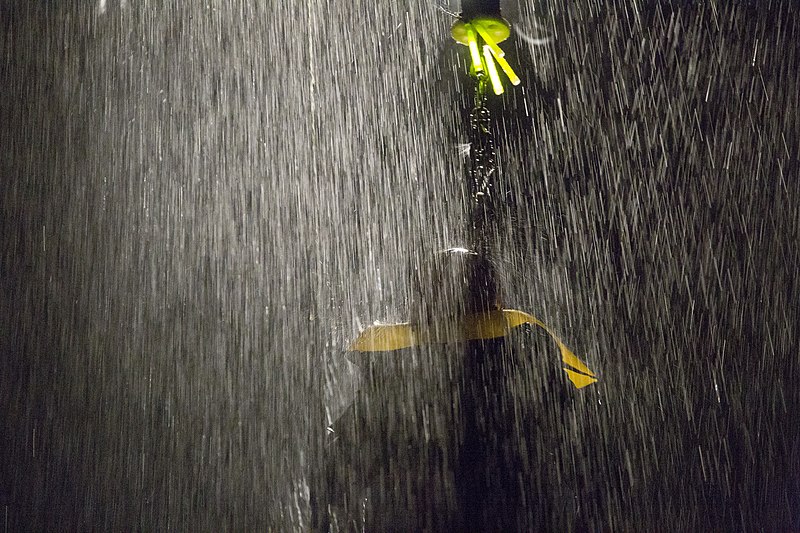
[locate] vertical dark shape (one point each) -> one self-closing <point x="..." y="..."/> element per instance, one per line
<point x="513" y="461"/>
<point x="471" y="8"/>
<point x="483" y="212"/>
<point x="35" y="317"/>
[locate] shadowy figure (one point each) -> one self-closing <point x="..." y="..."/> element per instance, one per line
<point x="467" y="420"/>
<point x="470" y="416"/>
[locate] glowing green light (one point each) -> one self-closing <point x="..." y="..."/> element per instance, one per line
<point x="497" y="85"/>
<point x="507" y="69"/>
<point x="472" y="41"/>
<point x="479" y="35"/>
<point x="498" y="52"/>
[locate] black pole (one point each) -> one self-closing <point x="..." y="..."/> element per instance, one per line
<point x="472" y="8"/>
<point x="482" y="174"/>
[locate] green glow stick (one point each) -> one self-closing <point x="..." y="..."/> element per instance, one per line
<point x="507" y="69"/>
<point x="497" y="85"/>
<point x="498" y="52"/>
<point x="472" y="40"/>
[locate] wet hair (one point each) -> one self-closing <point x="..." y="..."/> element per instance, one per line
<point x="453" y="283"/>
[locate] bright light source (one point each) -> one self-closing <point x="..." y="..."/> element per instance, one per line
<point x="508" y="70"/>
<point x="497" y="85"/>
<point x="474" y="52"/>
<point x="488" y="38"/>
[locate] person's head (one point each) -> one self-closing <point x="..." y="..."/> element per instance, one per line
<point x="451" y="284"/>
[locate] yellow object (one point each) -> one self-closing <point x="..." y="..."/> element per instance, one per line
<point x="490" y="325"/>
<point x="385" y="338"/>
<point x="483" y="32"/>
<point x="507" y="69"/>
<point x="496" y="27"/>
<point x="474" y="53"/>
<point x="579" y="380"/>
<point x="491" y="30"/>
<point x="491" y="68"/>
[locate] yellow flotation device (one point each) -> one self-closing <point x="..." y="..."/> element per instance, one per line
<point x="488" y="325"/>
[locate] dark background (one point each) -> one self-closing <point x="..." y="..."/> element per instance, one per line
<point x="200" y="204"/>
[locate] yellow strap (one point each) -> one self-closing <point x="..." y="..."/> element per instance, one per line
<point x="384" y="338"/>
<point x="491" y="325"/>
<point x="579" y="380"/>
<point x="516" y="318"/>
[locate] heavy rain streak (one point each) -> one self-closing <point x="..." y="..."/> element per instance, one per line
<point x="202" y="205"/>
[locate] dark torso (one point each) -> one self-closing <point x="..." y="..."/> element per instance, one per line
<point x="457" y="437"/>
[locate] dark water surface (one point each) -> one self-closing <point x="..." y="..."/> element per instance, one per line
<point x="200" y="203"/>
